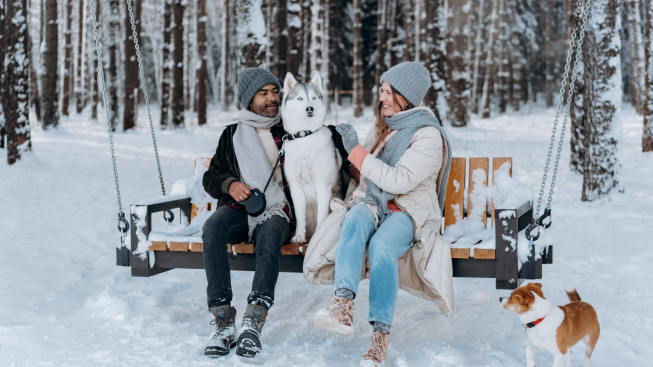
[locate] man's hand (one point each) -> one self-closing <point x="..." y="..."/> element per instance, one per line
<point x="239" y="191"/>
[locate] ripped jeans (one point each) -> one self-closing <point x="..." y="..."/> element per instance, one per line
<point x="386" y="246"/>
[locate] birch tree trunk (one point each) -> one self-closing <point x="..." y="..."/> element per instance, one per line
<point x="458" y="75"/>
<point x="358" y="61"/>
<point x="602" y="166"/>
<point x="503" y="87"/>
<point x="79" y="75"/>
<point x="518" y="59"/>
<point x="304" y="67"/>
<point x="636" y="47"/>
<point x="224" y="53"/>
<point x="49" y="69"/>
<point x="68" y="58"/>
<point x="488" y="84"/>
<point x="131" y="68"/>
<point x="202" y="73"/>
<point x="17" y="74"/>
<point x="94" y="90"/>
<point x="166" y="74"/>
<point x="3" y="84"/>
<point x="319" y="40"/>
<point x="178" y="66"/>
<point x="647" y="136"/>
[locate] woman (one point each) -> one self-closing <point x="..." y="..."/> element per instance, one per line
<point x="397" y="204"/>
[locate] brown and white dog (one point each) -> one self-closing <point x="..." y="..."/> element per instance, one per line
<point x="554" y="328"/>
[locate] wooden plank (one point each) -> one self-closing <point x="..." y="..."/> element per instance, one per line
<point x="460" y="253"/>
<point x="242" y="248"/>
<point x="290" y="249"/>
<point x="498" y="162"/>
<point x="197" y="247"/>
<point x="178" y="246"/>
<point x="455" y="195"/>
<point x="484" y="253"/>
<point x="159" y="246"/>
<point x="478" y="188"/>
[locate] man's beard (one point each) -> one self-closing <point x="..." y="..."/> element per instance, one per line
<point x="263" y="109"/>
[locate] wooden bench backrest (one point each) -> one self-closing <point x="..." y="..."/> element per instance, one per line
<point x="456" y="195"/>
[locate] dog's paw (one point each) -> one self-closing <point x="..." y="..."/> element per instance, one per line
<point x="298" y="238"/>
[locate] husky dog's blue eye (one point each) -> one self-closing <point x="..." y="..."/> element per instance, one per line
<point x="300" y="98"/>
<point x="314" y="98"/>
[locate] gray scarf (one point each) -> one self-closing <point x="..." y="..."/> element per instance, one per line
<point x="255" y="168"/>
<point x="407" y="122"/>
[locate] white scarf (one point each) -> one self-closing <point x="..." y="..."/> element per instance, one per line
<point x="255" y="168"/>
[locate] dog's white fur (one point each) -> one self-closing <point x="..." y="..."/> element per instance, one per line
<point x="550" y="334"/>
<point x="311" y="162"/>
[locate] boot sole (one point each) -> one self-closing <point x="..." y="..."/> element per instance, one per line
<point x="332" y="325"/>
<point x="214" y="353"/>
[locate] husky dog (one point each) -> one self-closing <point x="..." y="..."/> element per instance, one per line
<point x="311" y="162"/>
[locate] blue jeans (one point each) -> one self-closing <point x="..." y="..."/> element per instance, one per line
<point x="228" y="225"/>
<point x="386" y="246"/>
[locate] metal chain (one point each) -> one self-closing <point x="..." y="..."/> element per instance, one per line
<point x="123" y="225"/>
<point x="565" y="76"/>
<point x="144" y="87"/>
<point x="573" y="45"/>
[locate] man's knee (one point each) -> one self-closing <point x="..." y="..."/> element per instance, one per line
<point x="273" y="233"/>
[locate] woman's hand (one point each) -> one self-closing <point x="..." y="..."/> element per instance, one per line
<point x="349" y="136"/>
<point x="355" y="174"/>
<point x="239" y="191"/>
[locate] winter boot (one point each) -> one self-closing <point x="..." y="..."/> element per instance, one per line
<point x="249" y="341"/>
<point x="375" y="356"/>
<point x="223" y="337"/>
<point x="338" y="317"/>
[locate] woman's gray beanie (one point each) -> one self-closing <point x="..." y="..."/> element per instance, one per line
<point x="250" y="80"/>
<point x="411" y="79"/>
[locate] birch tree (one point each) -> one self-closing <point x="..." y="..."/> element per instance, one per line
<point x="548" y="54"/>
<point x="79" y="68"/>
<point x="278" y="37"/>
<point x="602" y="103"/>
<point x="3" y="84"/>
<point x="113" y="37"/>
<point x="410" y="27"/>
<point x="488" y="84"/>
<point x="358" y="61"/>
<point x="202" y="73"/>
<point x="49" y="70"/>
<point x="178" y="65"/>
<point x="517" y="54"/>
<point x="93" y="79"/>
<point x="636" y="47"/>
<point x="68" y="58"/>
<point x="224" y="55"/>
<point x="131" y="78"/>
<point x="17" y="83"/>
<point x="166" y="73"/>
<point x="503" y="87"/>
<point x="320" y="40"/>
<point x="647" y="136"/>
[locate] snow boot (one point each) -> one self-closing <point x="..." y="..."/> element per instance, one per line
<point x="249" y="341"/>
<point x="338" y="317"/>
<point x="223" y="337"/>
<point x="375" y="356"/>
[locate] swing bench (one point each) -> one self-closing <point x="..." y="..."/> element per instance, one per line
<point x="170" y="251"/>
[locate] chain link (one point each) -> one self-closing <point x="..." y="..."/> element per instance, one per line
<point x="573" y="44"/>
<point x="98" y="50"/>
<point x="144" y="87"/>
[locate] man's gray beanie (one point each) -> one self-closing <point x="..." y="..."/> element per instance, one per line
<point x="250" y="80"/>
<point x="411" y="79"/>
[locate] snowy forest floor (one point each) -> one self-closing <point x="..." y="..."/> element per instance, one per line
<point x="63" y="302"/>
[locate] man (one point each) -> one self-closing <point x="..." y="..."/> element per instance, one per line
<point x="246" y="153"/>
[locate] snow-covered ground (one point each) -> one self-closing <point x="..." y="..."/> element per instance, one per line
<point x="63" y="302"/>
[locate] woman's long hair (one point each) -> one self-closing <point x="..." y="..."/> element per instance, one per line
<point x="380" y="126"/>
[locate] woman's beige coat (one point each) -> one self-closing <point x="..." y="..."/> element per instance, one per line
<point x="425" y="270"/>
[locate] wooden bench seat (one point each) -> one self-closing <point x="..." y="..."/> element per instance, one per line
<point x="495" y="260"/>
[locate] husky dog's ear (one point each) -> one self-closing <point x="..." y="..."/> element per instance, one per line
<point x="288" y="83"/>
<point x="317" y="80"/>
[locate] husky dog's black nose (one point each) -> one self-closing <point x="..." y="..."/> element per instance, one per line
<point x="310" y="110"/>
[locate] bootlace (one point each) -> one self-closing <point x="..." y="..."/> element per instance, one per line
<point x="377" y="351"/>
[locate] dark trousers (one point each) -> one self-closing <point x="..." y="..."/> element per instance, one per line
<point x="228" y="225"/>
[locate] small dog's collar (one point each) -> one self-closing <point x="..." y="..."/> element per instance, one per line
<point x="534" y="323"/>
<point x="297" y="135"/>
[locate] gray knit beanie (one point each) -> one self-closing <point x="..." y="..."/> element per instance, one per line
<point x="411" y="79"/>
<point x="250" y="80"/>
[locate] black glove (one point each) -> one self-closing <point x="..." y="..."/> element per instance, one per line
<point x="349" y="136"/>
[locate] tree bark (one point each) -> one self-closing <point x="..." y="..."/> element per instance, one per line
<point x="478" y="52"/>
<point x="251" y="38"/>
<point x="278" y="37"/>
<point x="430" y="50"/>
<point x="636" y="46"/>
<point x="178" y="66"/>
<point x="488" y="84"/>
<point x="114" y="59"/>
<point x="94" y="83"/>
<point x="131" y="78"/>
<point x="409" y="30"/>
<point x="50" y="76"/>
<point x="224" y="53"/>
<point x="68" y="59"/>
<point x="295" y="49"/>
<point x="17" y="74"/>
<point x="381" y="46"/>
<point x="647" y="136"/>
<point x="518" y="59"/>
<point x="166" y="74"/>
<point x="503" y="87"/>
<point x="202" y="73"/>
<point x="548" y="55"/>
<point x="458" y="76"/>
<point x="602" y="167"/>
<point x="79" y="75"/>
<point x="358" y="61"/>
